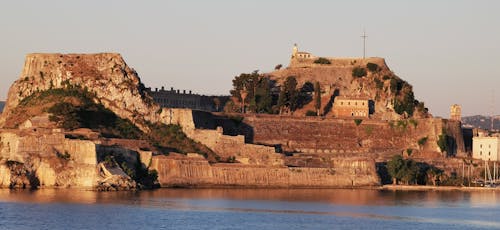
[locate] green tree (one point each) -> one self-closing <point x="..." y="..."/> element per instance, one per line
<point x="281" y="100"/>
<point x="395" y="167"/>
<point x="322" y="61"/>
<point x="263" y="98"/>
<point x="358" y="71"/>
<point x="291" y="93"/>
<point x="442" y="142"/>
<point x="317" y="98"/>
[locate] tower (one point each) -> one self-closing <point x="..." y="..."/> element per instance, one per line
<point x="295" y="50"/>
<point x="456" y="113"/>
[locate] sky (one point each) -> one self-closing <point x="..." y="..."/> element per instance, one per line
<point x="449" y="50"/>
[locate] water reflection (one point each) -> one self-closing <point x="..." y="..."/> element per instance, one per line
<point x="353" y="197"/>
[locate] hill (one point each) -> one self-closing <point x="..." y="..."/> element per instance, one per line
<point x="482" y="122"/>
<point x="355" y="78"/>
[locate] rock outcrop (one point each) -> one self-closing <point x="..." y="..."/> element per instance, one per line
<point x="106" y="75"/>
<point x="378" y="83"/>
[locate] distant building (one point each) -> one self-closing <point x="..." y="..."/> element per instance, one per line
<point x="351" y="107"/>
<point x="182" y="99"/>
<point x="297" y="54"/>
<point x="486" y="148"/>
<point x="456" y="112"/>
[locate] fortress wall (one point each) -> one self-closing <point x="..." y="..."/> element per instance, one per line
<point x="343" y="135"/>
<point x="183" y="172"/>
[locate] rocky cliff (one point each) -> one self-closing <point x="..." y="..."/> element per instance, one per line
<point x="48" y="159"/>
<point x="106" y="75"/>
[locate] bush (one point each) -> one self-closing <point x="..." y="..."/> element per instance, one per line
<point x="372" y="67"/>
<point x="379" y="84"/>
<point x="310" y="113"/>
<point x="64" y="156"/>
<point x="442" y="142"/>
<point x="422" y="141"/>
<point x="409" y="152"/>
<point x="358" y="121"/>
<point x="358" y="72"/>
<point x="322" y="61"/>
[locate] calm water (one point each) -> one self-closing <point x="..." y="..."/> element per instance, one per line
<point x="249" y="209"/>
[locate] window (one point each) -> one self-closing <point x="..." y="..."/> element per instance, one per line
<point x="341" y="103"/>
<point x="480" y="153"/>
<point x="489" y="153"/>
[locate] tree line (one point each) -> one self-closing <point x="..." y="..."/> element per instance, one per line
<point x="264" y="95"/>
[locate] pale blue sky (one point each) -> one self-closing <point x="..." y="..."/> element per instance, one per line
<point x="448" y="50"/>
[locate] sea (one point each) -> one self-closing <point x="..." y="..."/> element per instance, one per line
<point x="249" y="209"/>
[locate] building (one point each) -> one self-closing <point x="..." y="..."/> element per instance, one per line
<point x="298" y="54"/>
<point x="456" y="113"/>
<point x="486" y="148"/>
<point x="181" y="99"/>
<point x="351" y="107"/>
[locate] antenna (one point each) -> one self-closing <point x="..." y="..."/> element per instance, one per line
<point x="364" y="43"/>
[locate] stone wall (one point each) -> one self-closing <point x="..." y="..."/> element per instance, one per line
<point x="197" y="172"/>
<point x="341" y="136"/>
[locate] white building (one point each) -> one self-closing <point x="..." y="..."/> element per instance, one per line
<point x="486" y="148"/>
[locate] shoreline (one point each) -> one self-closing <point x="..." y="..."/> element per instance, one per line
<point x="434" y="188"/>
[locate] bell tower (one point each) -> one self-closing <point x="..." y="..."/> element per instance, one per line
<point x="295" y="50"/>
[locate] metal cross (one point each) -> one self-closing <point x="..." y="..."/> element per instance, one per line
<point x="364" y="43"/>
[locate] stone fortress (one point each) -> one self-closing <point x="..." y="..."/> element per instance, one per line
<point x="176" y="99"/>
<point x="255" y="150"/>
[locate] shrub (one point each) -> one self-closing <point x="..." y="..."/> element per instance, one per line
<point x="357" y="122"/>
<point x="310" y="113"/>
<point x="372" y="67"/>
<point x="322" y="61"/>
<point x="422" y="141"/>
<point x="379" y="84"/>
<point x="442" y="142"/>
<point x="278" y="67"/>
<point x="409" y="151"/>
<point x="64" y="156"/>
<point x="414" y="123"/>
<point x="358" y="72"/>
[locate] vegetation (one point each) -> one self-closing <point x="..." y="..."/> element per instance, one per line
<point x="442" y="143"/>
<point x="64" y="156"/>
<point x="414" y="123"/>
<point x="357" y="122"/>
<point x="421" y="142"/>
<point x="372" y="67"/>
<point x="322" y="61"/>
<point x="258" y="89"/>
<point x="311" y="113"/>
<point x="359" y="72"/>
<point x="408" y="171"/>
<point x="317" y="98"/>
<point x="288" y="97"/>
<point x="379" y="84"/>
<point x="278" y="67"/>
